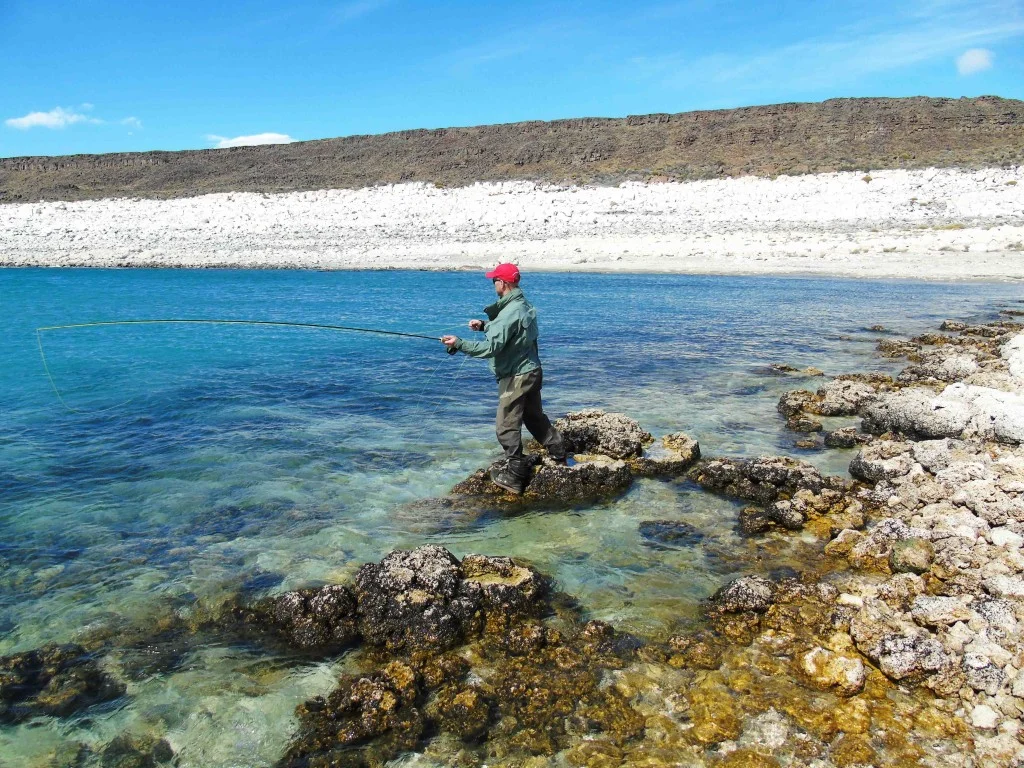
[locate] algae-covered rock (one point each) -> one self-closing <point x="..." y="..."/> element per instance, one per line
<point x="747" y="593"/>
<point x="763" y="479"/>
<point x="608" y="434"/>
<point x="411" y="598"/>
<point x="365" y="721"/>
<point x="827" y="670"/>
<point x="913" y="555"/>
<point x="56" y="680"/>
<point x="426" y="598"/>
<point x="464" y="711"/>
<point x="323" y="619"/>
<point x="590" y="478"/>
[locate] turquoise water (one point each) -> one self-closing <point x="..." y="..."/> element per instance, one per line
<point x="204" y="460"/>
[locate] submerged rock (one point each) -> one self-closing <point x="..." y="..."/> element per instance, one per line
<point x="608" y="434"/>
<point x="131" y="751"/>
<point x="672" y="532"/>
<point x="57" y="680"/>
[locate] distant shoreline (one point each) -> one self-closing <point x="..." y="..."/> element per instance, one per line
<point x="930" y="224"/>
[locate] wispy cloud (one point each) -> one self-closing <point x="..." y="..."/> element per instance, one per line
<point x="58" y="117"/>
<point x="935" y="31"/>
<point x="223" y="142"/>
<point x="131" y="122"/>
<point x="974" y="60"/>
<point x="354" y="9"/>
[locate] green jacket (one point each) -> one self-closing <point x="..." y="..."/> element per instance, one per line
<point x="511" y="337"/>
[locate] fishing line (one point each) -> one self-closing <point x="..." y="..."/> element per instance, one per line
<point x="199" y="321"/>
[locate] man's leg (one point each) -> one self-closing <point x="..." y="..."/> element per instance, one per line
<point x="539" y="424"/>
<point x="508" y="424"/>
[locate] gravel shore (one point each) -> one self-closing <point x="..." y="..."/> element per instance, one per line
<point x="934" y="224"/>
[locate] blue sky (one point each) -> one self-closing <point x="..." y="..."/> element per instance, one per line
<point x="103" y="75"/>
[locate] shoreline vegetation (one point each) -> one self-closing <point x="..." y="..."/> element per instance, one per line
<point x="933" y="224"/>
<point x="900" y="642"/>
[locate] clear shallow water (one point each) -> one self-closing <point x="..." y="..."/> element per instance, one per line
<point x="207" y="459"/>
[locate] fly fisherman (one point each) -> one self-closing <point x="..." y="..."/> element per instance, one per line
<point x="510" y="345"/>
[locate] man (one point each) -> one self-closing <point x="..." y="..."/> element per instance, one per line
<point x="510" y="345"/>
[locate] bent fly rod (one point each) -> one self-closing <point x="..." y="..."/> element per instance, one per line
<point x="208" y="321"/>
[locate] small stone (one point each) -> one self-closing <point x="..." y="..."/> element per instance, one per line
<point x="982" y="674"/>
<point x="984" y="718"/>
<point x="940" y="611"/>
<point x="825" y="669"/>
<point x="912" y="555"/>
<point x="1004" y="537"/>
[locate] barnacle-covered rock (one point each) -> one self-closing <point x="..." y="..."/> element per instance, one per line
<point x="608" y="434"/>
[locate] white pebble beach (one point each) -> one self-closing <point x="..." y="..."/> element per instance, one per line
<point x="941" y="224"/>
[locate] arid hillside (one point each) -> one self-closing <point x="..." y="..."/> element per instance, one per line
<point x="840" y="134"/>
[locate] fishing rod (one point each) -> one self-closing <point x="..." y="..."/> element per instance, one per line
<point x="209" y="321"/>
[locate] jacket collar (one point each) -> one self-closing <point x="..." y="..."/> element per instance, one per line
<point x="493" y="310"/>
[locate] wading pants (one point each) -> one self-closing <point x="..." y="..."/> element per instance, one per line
<point x="519" y="404"/>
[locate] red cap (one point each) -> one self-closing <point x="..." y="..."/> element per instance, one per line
<point x="508" y="273"/>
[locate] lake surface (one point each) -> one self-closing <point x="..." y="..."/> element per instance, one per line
<point x="194" y="462"/>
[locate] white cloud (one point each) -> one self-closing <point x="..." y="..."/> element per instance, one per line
<point x="222" y="142"/>
<point x="355" y="8"/>
<point x="55" y="118"/>
<point x="973" y="61"/>
<point x="131" y="122"/>
<point x="935" y="32"/>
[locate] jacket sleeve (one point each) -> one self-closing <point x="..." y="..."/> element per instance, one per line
<point x="497" y="334"/>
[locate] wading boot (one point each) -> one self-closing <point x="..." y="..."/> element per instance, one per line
<point x="511" y="477"/>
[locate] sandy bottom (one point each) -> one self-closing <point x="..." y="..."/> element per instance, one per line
<point x="932" y="224"/>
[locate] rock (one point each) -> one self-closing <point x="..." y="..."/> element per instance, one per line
<point x="130" y="751"/>
<point x="897" y="348"/>
<point x="882" y="460"/>
<point x="847" y="437"/>
<point x="841" y="397"/>
<point x="412" y="598"/>
<point x="828" y="670"/>
<point x="500" y="585"/>
<point x="589" y="479"/>
<point x="463" y="711"/>
<point x="941" y="611"/>
<point x="608" y="434"/>
<point x="368" y="720"/>
<point x="56" y="680"/>
<point x="1004" y="537"/>
<point x="747" y="593"/>
<point x="762" y="480"/>
<point x="677" y="453"/>
<point x="700" y="651"/>
<point x="802" y="423"/>
<point x="984" y="718"/>
<point x="982" y="674"/>
<point x="910" y="657"/>
<point x="671" y="532"/>
<point x="961" y="410"/>
<point x="322" y="619"/>
<point x="424" y="598"/>
<point x="796" y="402"/>
<point x="1004" y="586"/>
<point x="911" y="555"/>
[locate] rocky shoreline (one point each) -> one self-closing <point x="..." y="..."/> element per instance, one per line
<point x="899" y="643"/>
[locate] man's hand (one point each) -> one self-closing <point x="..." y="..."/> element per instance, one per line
<point x="450" y="342"/>
<point x="476" y="325"/>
